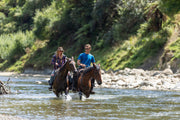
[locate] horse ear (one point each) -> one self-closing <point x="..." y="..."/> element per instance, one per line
<point x="99" y="65"/>
<point x="72" y="58"/>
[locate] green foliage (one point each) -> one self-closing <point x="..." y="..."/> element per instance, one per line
<point x="19" y="14"/>
<point x="175" y="48"/>
<point x="170" y="7"/>
<point x="123" y="33"/>
<point x="13" y="46"/>
<point x="45" y="19"/>
<point x="137" y="49"/>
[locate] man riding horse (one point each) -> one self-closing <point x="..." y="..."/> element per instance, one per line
<point x="84" y="60"/>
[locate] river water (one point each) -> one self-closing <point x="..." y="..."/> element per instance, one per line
<point x="31" y="100"/>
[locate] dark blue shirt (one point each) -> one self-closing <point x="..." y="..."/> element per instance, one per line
<point x="86" y="59"/>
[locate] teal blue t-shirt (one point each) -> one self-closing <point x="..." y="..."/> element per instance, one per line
<point x="86" y="59"/>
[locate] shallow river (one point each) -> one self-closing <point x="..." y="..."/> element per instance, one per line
<point x="30" y="100"/>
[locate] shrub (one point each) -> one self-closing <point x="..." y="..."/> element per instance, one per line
<point x="12" y="46"/>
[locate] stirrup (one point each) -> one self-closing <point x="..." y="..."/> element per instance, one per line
<point x="50" y="88"/>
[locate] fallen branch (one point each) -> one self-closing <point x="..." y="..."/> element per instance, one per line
<point x="3" y="88"/>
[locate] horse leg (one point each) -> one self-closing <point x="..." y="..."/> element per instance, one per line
<point x="67" y="91"/>
<point x="80" y="95"/>
<point x="67" y="85"/>
<point x="57" y="94"/>
<point x="61" y="93"/>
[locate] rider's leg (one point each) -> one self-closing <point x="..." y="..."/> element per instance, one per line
<point x="69" y="78"/>
<point x="51" y="80"/>
<point x="92" y="85"/>
<point x="74" y="82"/>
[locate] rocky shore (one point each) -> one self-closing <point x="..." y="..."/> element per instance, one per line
<point x="140" y="79"/>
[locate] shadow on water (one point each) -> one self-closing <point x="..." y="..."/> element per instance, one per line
<point x="31" y="100"/>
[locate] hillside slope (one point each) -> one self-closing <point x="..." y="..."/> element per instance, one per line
<point x="127" y="33"/>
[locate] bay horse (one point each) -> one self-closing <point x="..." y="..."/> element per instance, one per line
<point x="84" y="79"/>
<point x="61" y="82"/>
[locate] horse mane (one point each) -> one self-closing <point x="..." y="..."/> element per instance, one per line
<point x="87" y="70"/>
<point x="90" y="68"/>
<point x="61" y="68"/>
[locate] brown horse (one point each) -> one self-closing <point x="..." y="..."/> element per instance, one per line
<point x="84" y="79"/>
<point x="61" y="82"/>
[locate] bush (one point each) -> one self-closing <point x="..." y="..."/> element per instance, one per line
<point x="12" y="46"/>
<point x="170" y="7"/>
<point x="46" y="19"/>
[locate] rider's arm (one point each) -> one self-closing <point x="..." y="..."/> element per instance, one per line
<point x="53" y="61"/>
<point x="93" y="60"/>
<point x="80" y="64"/>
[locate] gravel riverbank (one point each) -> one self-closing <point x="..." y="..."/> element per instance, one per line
<point x="140" y="79"/>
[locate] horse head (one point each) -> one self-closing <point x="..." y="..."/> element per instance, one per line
<point x="72" y="65"/>
<point x="97" y="74"/>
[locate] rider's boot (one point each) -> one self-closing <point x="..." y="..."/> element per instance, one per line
<point x="51" y="83"/>
<point x="74" y="88"/>
<point x="74" y="81"/>
<point x="92" y="85"/>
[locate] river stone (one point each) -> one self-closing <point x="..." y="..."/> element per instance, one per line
<point x="38" y="82"/>
<point x="161" y="76"/>
<point x="159" y="83"/>
<point x="177" y="75"/>
<point x="177" y="86"/>
<point x="120" y="82"/>
<point x="121" y="72"/>
<point x="156" y="73"/>
<point x="178" y="71"/>
<point x="102" y="71"/>
<point x="168" y="71"/>
<point x="145" y="84"/>
<point x="139" y="71"/>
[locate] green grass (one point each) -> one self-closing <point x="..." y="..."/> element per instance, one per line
<point x="134" y="51"/>
<point x="175" y="48"/>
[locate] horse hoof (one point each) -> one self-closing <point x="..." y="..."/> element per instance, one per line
<point x="92" y="92"/>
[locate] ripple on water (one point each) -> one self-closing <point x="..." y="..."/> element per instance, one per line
<point x="34" y="101"/>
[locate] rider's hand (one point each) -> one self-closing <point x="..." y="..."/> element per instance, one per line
<point x="57" y="64"/>
<point x="83" y="65"/>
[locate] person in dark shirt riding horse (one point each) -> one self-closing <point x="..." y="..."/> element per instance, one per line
<point x="84" y="60"/>
<point x="58" y="61"/>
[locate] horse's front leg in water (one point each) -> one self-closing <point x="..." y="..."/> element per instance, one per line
<point x="66" y="92"/>
<point x="57" y="94"/>
<point x="67" y="86"/>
